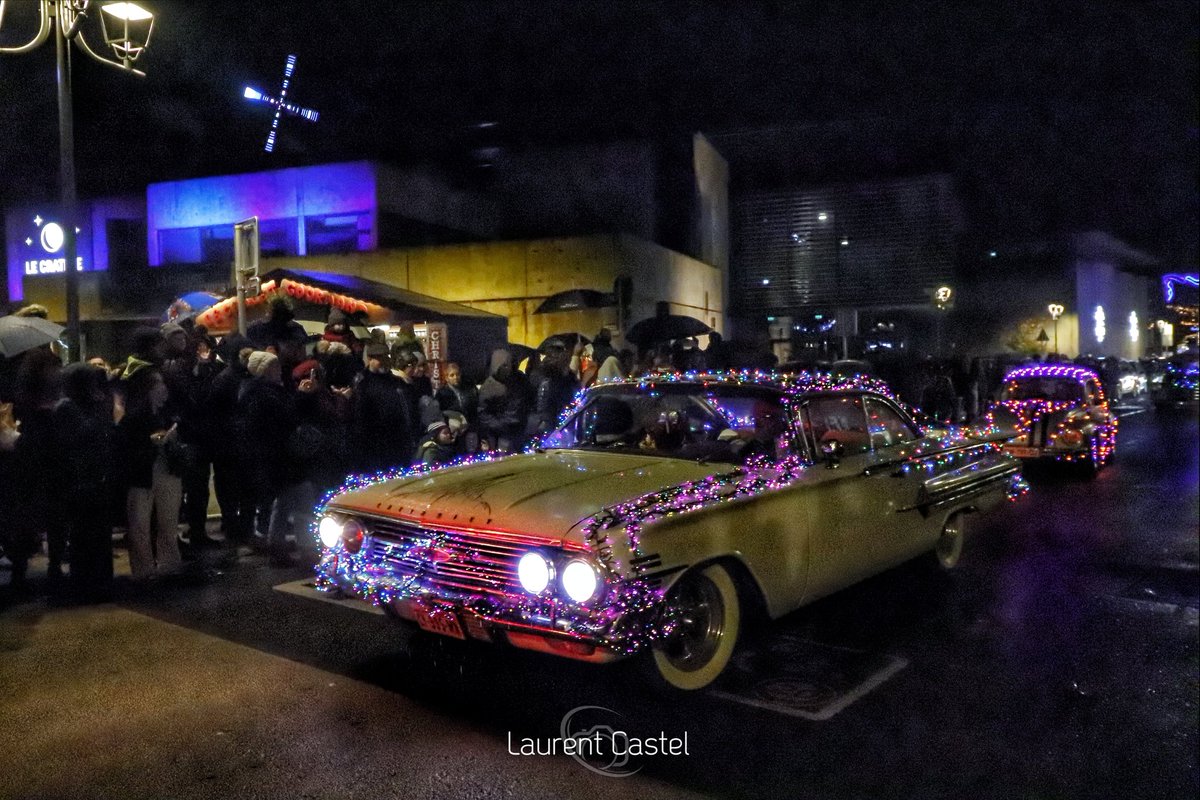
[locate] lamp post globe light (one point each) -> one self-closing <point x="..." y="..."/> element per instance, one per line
<point x="126" y="28"/>
<point x="1056" y="310"/>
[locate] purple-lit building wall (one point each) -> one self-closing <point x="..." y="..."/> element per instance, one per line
<point x="191" y="221"/>
<point x="34" y="251"/>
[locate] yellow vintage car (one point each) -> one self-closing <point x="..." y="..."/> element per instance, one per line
<point x="660" y="515"/>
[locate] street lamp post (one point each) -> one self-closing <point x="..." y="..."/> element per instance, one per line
<point x="127" y="30"/>
<point x="1056" y="310"/>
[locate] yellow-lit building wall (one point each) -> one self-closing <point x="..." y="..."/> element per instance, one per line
<point x="513" y="278"/>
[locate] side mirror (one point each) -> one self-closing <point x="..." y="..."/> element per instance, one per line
<point x="832" y="453"/>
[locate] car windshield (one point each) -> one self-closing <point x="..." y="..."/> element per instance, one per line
<point x="1053" y="389"/>
<point x="692" y="421"/>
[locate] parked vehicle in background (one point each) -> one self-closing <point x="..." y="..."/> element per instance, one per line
<point x="1056" y="412"/>
<point x="1179" y="387"/>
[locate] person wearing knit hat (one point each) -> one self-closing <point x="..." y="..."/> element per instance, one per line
<point x="438" y="444"/>
<point x="262" y="364"/>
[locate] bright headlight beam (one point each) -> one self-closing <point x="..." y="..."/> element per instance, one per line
<point x="534" y="572"/>
<point x="330" y="532"/>
<point x="579" y="581"/>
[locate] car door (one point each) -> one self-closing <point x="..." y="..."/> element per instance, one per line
<point x="844" y="503"/>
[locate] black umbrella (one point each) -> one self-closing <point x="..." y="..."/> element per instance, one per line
<point x="666" y="328"/>
<point x="568" y="339"/>
<point x="574" y="299"/>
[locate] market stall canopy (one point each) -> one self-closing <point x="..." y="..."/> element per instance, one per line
<point x="471" y="333"/>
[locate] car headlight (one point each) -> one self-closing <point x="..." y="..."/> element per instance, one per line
<point x="579" y="581"/>
<point x="350" y="533"/>
<point x="535" y="572"/>
<point x="330" y="532"/>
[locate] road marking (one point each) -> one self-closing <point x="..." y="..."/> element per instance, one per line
<point x="798" y="678"/>
<point x="307" y="588"/>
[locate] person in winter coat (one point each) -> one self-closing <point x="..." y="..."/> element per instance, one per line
<point x="439" y="445"/>
<point x="83" y="421"/>
<point x="219" y="414"/>
<point x="503" y="404"/>
<point x="266" y="418"/>
<point x="154" y="493"/>
<point x="382" y="415"/>
<point x="557" y="388"/>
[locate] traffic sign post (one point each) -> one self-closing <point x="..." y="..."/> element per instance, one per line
<point x="245" y="265"/>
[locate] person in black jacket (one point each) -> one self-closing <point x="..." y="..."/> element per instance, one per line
<point x="83" y="421"/>
<point x="218" y="413"/>
<point x="146" y="442"/>
<point x="382" y="416"/>
<point x="556" y="389"/>
<point x="267" y="418"/>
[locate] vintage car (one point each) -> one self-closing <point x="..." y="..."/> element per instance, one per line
<point x="1058" y="412"/>
<point x="661" y="514"/>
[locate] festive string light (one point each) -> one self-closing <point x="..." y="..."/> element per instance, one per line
<point x="630" y="611"/>
<point x="1027" y="413"/>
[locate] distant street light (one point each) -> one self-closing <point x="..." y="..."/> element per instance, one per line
<point x="126" y="29"/>
<point x="1056" y="310"/>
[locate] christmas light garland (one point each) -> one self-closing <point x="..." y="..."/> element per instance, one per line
<point x="631" y="612"/>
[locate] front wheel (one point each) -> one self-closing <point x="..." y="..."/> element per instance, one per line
<point x="949" y="546"/>
<point x="707" y="615"/>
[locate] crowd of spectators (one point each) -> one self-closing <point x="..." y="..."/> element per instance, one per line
<point x="269" y="420"/>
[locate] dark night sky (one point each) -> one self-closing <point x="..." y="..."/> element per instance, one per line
<point x="1053" y="115"/>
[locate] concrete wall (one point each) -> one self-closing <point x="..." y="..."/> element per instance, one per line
<point x="1102" y="286"/>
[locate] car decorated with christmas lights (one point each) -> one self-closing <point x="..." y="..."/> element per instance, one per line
<point x="1058" y="412"/>
<point x="660" y="515"/>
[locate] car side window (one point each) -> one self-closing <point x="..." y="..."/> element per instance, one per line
<point x="838" y="419"/>
<point x="887" y="427"/>
<point x="1093" y="394"/>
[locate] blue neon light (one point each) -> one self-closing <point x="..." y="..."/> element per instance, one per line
<point x="1169" y="282"/>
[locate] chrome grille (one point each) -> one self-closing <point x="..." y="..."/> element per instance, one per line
<point x="455" y="561"/>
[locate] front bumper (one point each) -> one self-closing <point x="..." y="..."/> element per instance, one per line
<point x="543" y="625"/>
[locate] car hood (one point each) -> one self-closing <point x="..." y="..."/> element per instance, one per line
<point x="540" y="494"/>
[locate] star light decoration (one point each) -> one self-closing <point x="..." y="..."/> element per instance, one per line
<point x="631" y="613"/>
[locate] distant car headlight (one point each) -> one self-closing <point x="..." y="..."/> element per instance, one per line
<point x="330" y="531"/>
<point x="535" y="572"/>
<point x="579" y="581"/>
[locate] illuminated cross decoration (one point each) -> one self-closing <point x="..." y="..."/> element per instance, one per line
<point x="280" y="103"/>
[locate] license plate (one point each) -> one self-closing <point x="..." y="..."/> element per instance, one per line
<point x="1021" y="452"/>
<point x="437" y="619"/>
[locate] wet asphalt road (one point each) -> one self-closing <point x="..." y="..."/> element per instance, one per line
<point x="1060" y="660"/>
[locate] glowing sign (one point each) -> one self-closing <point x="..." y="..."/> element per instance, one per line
<point x="1100" y="330"/>
<point x="280" y="103"/>
<point x="1170" y="281"/>
<point x="42" y="253"/>
<point x="1133" y="326"/>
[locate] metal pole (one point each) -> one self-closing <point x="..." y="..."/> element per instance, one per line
<point x="1056" y="350"/>
<point x="66" y="156"/>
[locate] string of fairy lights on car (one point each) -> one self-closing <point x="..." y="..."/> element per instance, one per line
<point x="1070" y="439"/>
<point x="608" y="602"/>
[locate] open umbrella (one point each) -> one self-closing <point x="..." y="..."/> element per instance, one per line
<point x="666" y="328"/>
<point x="190" y="304"/>
<point x="575" y="299"/>
<point x="568" y="339"/>
<point x="18" y="334"/>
